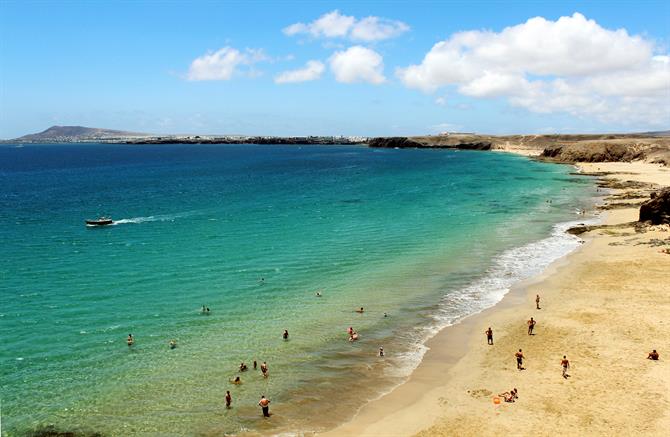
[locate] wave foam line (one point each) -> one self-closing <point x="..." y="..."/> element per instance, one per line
<point x="507" y="269"/>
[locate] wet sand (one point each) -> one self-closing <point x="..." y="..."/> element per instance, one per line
<point x="605" y="306"/>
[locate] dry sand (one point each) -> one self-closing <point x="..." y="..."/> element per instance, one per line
<point x="605" y="306"/>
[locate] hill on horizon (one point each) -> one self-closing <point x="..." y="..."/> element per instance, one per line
<point x="77" y="133"/>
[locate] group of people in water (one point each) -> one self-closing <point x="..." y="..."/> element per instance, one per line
<point x="264" y="402"/>
<point x="243" y="368"/>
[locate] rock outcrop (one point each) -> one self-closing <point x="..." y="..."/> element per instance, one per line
<point x="657" y="209"/>
<point x="426" y="143"/>
<point x="393" y="142"/>
<point x="594" y="153"/>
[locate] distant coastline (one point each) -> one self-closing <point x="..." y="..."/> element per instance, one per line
<point x="653" y="147"/>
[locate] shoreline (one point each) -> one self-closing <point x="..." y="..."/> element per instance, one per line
<point x="454" y="378"/>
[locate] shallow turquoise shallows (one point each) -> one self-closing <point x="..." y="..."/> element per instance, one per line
<point x="252" y="232"/>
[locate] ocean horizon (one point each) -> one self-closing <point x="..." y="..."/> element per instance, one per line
<point x="418" y="238"/>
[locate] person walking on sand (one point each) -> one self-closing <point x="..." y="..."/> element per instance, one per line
<point x="489" y="335"/>
<point x="566" y="365"/>
<point x="229" y="399"/>
<point x="537" y="302"/>
<point x="130" y="340"/>
<point x="519" y="360"/>
<point x="265" y="405"/>
<point x="531" y="325"/>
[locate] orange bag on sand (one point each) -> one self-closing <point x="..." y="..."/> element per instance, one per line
<point x="496" y="400"/>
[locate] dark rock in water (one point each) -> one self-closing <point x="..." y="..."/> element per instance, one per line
<point x="657" y="209"/>
<point x="51" y="431"/>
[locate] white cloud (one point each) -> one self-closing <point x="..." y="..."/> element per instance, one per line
<point x="224" y="63"/>
<point x="569" y="65"/>
<point x="357" y="64"/>
<point x="312" y="71"/>
<point x="335" y="25"/>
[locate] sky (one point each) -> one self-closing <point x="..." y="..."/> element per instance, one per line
<point x="367" y="68"/>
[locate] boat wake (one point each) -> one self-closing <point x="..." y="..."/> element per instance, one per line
<point x="151" y="218"/>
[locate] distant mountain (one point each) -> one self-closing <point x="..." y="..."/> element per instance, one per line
<point x="66" y="134"/>
<point x="660" y="133"/>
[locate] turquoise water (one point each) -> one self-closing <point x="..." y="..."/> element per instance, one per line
<point x="426" y="236"/>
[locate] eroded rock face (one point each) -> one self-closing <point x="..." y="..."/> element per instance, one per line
<point x="594" y="153"/>
<point x="657" y="209"/>
<point x="405" y="142"/>
<point x="392" y="142"/>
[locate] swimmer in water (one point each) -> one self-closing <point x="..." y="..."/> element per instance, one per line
<point x="130" y="340"/>
<point x="237" y="380"/>
<point x="172" y="344"/>
<point x="318" y="294"/>
<point x="386" y="315"/>
<point x="350" y="330"/>
<point x="243" y="367"/>
<point x="360" y="311"/>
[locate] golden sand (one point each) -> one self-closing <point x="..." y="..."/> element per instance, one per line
<point x="605" y="307"/>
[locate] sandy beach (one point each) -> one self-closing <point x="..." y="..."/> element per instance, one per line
<point x="605" y="306"/>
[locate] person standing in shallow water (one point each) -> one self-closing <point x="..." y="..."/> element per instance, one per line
<point x="489" y="335"/>
<point x="285" y="334"/>
<point x="130" y="340"/>
<point x="265" y="406"/>
<point x="229" y="399"/>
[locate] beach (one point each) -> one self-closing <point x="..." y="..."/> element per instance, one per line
<point x="604" y="306"/>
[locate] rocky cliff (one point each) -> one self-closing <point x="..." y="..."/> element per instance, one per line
<point x="554" y="148"/>
<point x="657" y="209"/>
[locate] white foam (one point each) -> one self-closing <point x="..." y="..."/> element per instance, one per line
<point x="151" y="218"/>
<point x="510" y="267"/>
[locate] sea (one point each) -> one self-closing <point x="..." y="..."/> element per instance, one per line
<point x="418" y="238"/>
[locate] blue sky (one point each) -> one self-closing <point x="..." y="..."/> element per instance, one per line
<point x="330" y="68"/>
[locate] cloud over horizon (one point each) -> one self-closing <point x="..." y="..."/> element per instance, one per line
<point x="358" y="64"/>
<point x="312" y="71"/>
<point x="571" y="65"/>
<point x="335" y="25"/>
<point x="224" y="63"/>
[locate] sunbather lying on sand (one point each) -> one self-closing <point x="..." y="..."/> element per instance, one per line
<point x="509" y="396"/>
